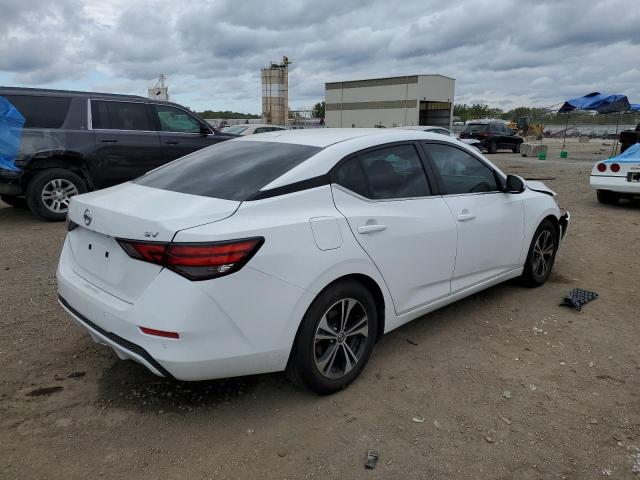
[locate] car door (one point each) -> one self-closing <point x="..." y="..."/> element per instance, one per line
<point x="490" y="223"/>
<point x="395" y="215"/>
<point x="180" y="132"/>
<point x="127" y="144"/>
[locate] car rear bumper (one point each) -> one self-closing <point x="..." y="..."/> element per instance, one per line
<point x="221" y="333"/>
<point x="614" y="184"/>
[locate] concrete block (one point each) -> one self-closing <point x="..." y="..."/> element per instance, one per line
<point x="532" y="149"/>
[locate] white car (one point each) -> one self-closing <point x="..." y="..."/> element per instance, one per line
<point x="297" y="250"/>
<point x="617" y="177"/>
<point x="443" y="131"/>
<point x="251" y="128"/>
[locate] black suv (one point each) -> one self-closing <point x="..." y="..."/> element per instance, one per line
<point x="74" y="142"/>
<point x="493" y="136"/>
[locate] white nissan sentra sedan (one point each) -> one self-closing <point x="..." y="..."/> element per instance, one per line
<point x="297" y="251"/>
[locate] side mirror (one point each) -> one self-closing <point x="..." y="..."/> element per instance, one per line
<point x="204" y="130"/>
<point x="514" y="184"/>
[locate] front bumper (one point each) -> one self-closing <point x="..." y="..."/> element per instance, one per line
<point x="10" y="182"/>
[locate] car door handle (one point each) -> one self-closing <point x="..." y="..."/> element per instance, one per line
<point x="465" y="216"/>
<point x="109" y="141"/>
<point x="171" y="143"/>
<point x="365" y="229"/>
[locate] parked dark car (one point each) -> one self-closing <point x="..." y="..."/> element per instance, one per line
<point x="494" y="136"/>
<point x="74" y="142"/>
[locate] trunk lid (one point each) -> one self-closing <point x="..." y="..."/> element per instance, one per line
<point x="133" y="212"/>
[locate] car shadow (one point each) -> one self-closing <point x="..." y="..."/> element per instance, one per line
<point x="128" y="385"/>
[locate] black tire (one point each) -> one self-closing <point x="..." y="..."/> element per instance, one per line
<point x="545" y="240"/>
<point x="18" y="202"/>
<point x="309" y="351"/>
<point x="493" y="147"/>
<point x="607" y="197"/>
<point x="71" y="184"/>
<point x="516" y="148"/>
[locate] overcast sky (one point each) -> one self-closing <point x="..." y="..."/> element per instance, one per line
<point x="502" y="52"/>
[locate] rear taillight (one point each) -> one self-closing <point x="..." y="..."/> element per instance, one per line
<point x="615" y="167"/>
<point x="601" y="167"/>
<point x="195" y="261"/>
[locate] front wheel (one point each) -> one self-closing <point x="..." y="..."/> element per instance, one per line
<point x="49" y="193"/>
<point x="516" y="148"/>
<point x="493" y="147"/>
<point x="335" y="339"/>
<point x="542" y="254"/>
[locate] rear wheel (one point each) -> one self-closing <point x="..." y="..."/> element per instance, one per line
<point x="18" y="202"/>
<point x="335" y="339"/>
<point x="493" y="147"/>
<point x="607" y="197"/>
<point x="49" y="192"/>
<point x="542" y="254"/>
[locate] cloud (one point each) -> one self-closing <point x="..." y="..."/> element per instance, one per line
<point x="504" y="52"/>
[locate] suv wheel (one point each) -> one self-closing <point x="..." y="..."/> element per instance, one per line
<point x="516" y="148"/>
<point x="335" y="339"/>
<point x="18" y="202"/>
<point x="493" y="147"/>
<point x="607" y="197"/>
<point x="542" y="254"/>
<point x="49" y="192"/>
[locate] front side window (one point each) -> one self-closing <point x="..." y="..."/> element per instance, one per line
<point x="173" y="119"/>
<point x="39" y="111"/>
<point x="234" y="170"/>
<point x="461" y="172"/>
<point x="120" y="116"/>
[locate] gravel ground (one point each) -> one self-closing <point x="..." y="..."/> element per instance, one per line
<point x="504" y="384"/>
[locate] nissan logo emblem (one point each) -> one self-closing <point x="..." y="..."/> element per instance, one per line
<point x="87" y="217"/>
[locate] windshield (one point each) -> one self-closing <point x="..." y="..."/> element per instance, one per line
<point x="237" y="130"/>
<point x="231" y="170"/>
<point x="475" y="127"/>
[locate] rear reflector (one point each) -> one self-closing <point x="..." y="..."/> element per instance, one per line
<point x="159" y="333"/>
<point x="195" y="261"/>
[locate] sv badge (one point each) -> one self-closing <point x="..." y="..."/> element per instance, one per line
<point x="151" y="234"/>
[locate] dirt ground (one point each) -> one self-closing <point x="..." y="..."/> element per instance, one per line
<point x="509" y="384"/>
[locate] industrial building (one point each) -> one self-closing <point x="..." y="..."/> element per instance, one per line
<point x="390" y="102"/>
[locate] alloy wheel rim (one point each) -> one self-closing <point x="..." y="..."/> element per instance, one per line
<point x="57" y="193"/>
<point x="341" y="338"/>
<point x="543" y="253"/>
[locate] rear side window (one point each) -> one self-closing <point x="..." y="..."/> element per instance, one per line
<point x="232" y="170"/>
<point x="350" y="176"/>
<point x="120" y="116"/>
<point x="461" y="172"/>
<point x="475" y="128"/>
<point x="41" y="112"/>
<point x="395" y="172"/>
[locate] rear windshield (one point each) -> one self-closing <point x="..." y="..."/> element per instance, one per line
<point x="232" y="170"/>
<point x="41" y="112"/>
<point x="476" y="127"/>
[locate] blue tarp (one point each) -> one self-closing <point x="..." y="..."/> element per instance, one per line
<point x="634" y="107"/>
<point x="630" y="155"/>
<point x="598" y="102"/>
<point x="11" y="122"/>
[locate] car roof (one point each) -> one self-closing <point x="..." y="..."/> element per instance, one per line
<point x="324" y="137"/>
<point x="67" y="93"/>
<point x="338" y="143"/>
